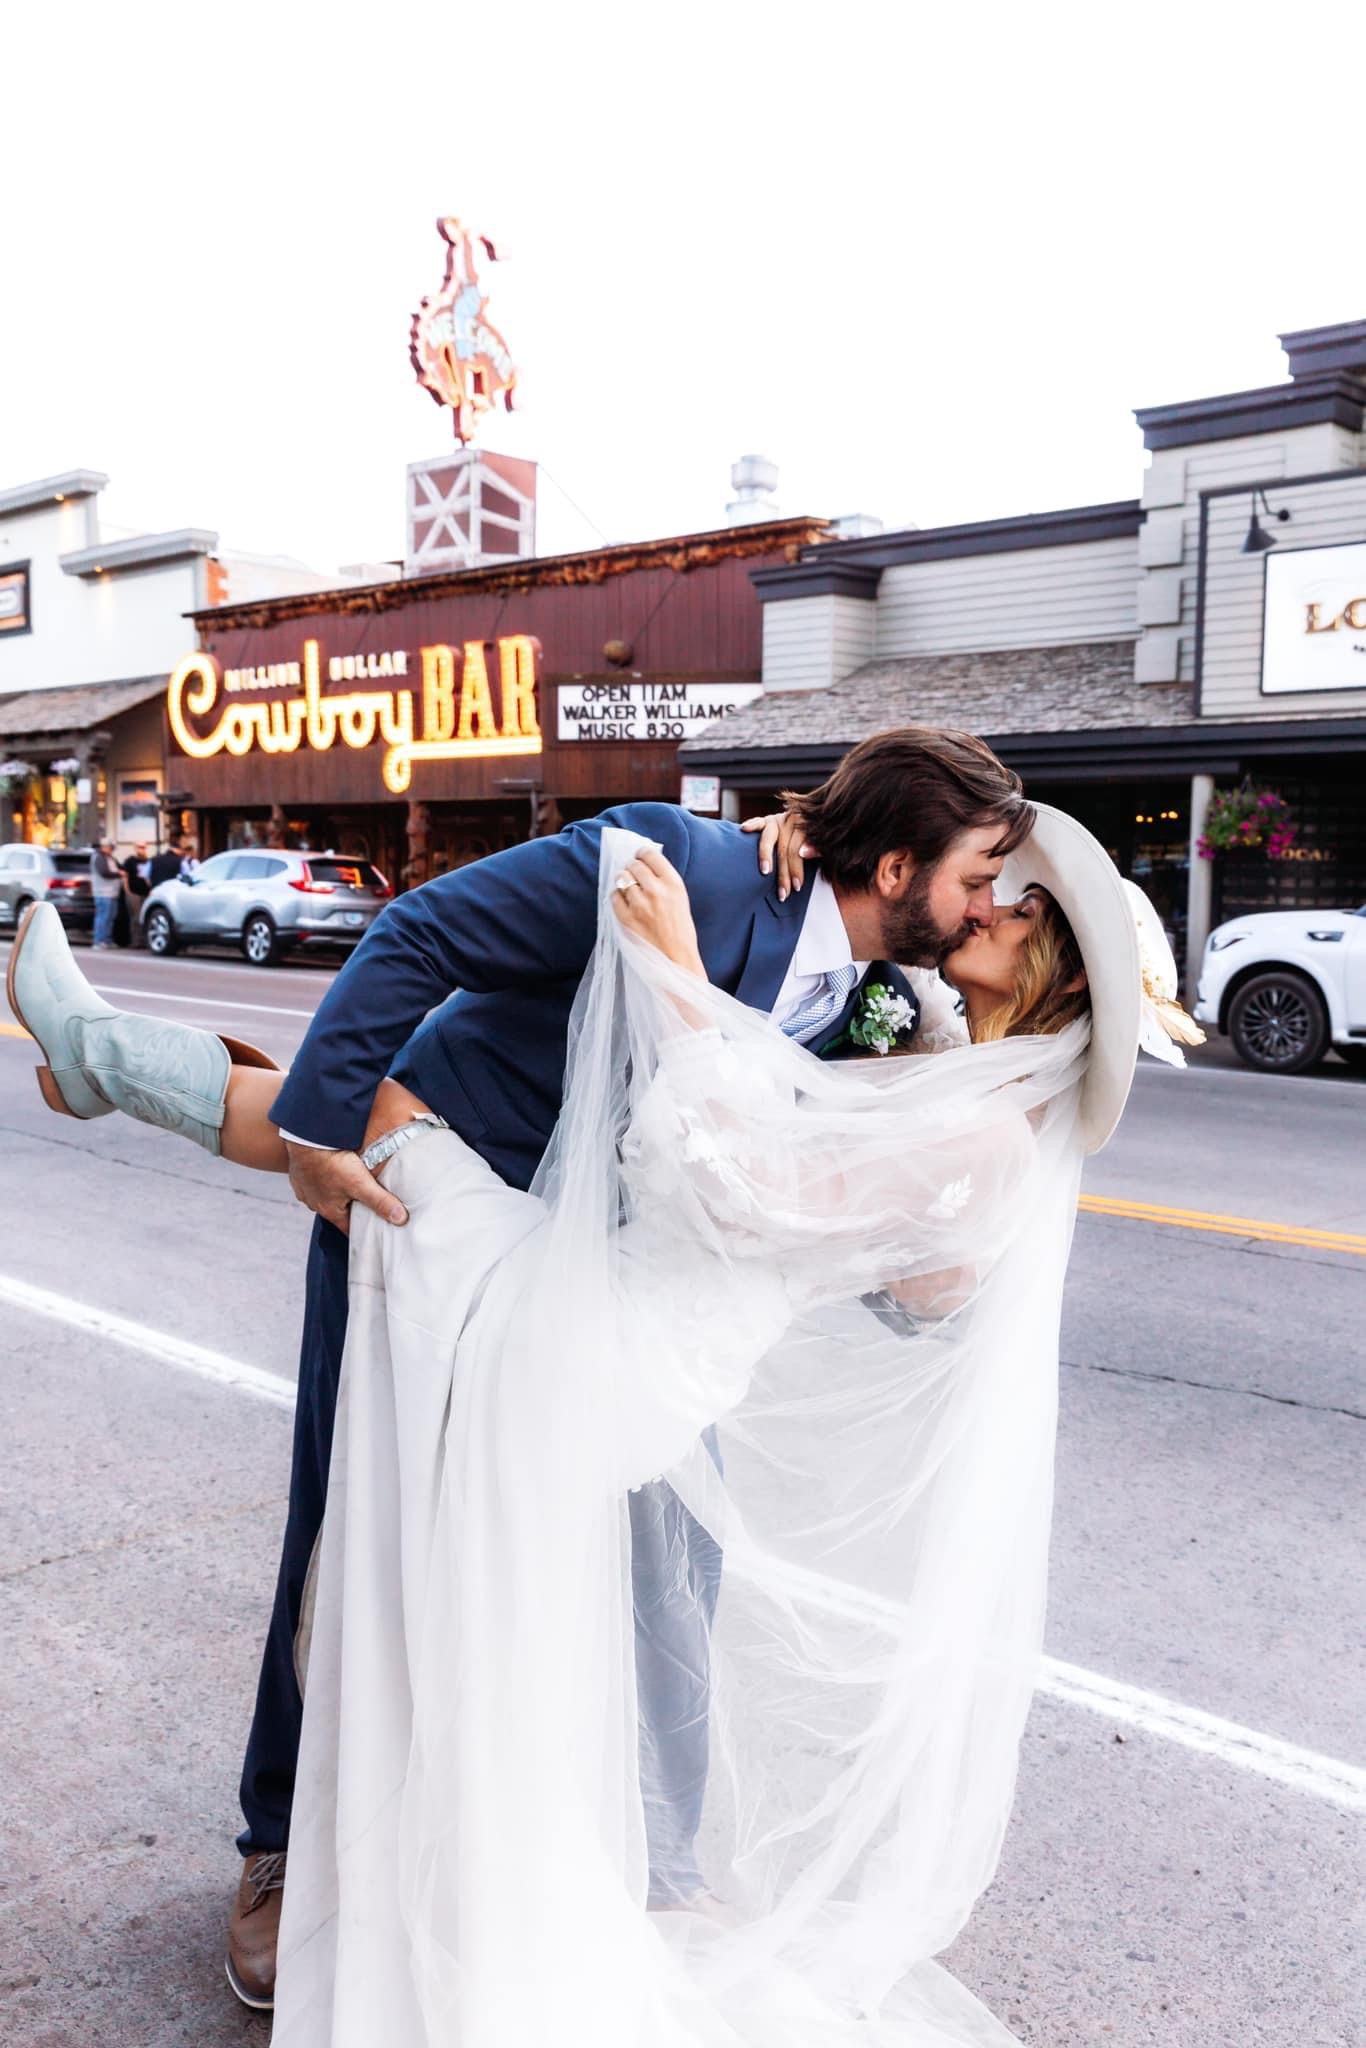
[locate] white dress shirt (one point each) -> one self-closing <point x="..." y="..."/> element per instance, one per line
<point x="822" y="947"/>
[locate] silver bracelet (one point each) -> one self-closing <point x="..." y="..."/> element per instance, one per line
<point x="394" y="1141"/>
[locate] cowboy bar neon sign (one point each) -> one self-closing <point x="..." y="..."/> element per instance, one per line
<point x="459" y="720"/>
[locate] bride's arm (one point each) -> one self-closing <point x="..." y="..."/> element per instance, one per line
<point x="650" y="899"/>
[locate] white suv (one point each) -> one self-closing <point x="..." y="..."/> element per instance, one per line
<point x="267" y="902"/>
<point x="1286" y="985"/>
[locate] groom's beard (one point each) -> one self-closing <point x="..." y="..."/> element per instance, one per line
<point x="910" y="935"/>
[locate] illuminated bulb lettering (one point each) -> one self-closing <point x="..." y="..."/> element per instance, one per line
<point x="457" y="723"/>
<point x="517" y="676"/>
<point x="438" y="693"/>
<point x="477" y="721"/>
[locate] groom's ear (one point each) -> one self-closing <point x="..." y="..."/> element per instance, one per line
<point x="894" y="873"/>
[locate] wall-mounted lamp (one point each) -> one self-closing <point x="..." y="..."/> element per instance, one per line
<point x="1258" y="539"/>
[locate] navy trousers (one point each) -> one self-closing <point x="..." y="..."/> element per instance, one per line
<point x="675" y="1573"/>
<point x="267" y="1790"/>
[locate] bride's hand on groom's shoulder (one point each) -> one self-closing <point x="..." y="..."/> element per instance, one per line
<point x="330" y="1183"/>
<point x="782" y="842"/>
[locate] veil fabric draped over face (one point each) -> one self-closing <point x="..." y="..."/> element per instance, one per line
<point x="794" y="1324"/>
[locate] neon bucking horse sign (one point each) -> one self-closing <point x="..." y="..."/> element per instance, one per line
<point x="458" y="355"/>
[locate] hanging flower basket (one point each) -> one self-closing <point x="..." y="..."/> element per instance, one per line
<point x="1248" y="820"/>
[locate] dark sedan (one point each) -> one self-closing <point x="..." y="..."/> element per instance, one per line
<point x="46" y="874"/>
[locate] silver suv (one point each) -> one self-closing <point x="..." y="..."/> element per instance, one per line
<point x="46" y="874"/>
<point x="266" y="902"/>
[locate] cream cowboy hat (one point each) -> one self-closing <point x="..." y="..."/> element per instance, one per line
<point x="1129" y="966"/>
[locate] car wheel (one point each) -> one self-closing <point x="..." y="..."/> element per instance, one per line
<point x="1278" y="1023"/>
<point x="160" y="932"/>
<point x="260" y="940"/>
<point x="1354" y="1055"/>
<point x="21" y="910"/>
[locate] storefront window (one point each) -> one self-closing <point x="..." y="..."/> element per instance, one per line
<point x="1326" y="867"/>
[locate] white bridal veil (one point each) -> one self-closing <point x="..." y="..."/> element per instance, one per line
<point x="782" y="1336"/>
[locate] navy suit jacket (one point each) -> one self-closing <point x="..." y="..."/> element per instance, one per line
<point x="511" y="936"/>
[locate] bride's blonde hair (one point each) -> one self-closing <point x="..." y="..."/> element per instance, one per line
<point x="1043" y="1000"/>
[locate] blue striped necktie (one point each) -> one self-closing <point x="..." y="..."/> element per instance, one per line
<point x="825" y="1001"/>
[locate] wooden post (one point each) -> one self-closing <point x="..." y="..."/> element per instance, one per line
<point x="1199" y="886"/>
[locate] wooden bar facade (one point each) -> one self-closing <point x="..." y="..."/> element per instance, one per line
<point x="673" y="611"/>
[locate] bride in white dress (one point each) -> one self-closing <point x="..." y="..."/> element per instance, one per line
<point x="820" y="1302"/>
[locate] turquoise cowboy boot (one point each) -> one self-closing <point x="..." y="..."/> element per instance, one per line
<point x="100" y="1059"/>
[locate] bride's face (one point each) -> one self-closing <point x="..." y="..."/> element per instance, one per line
<point x="987" y="963"/>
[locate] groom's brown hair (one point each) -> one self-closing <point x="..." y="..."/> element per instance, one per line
<point x="918" y="787"/>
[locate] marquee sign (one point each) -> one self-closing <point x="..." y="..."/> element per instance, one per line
<point x="459" y="356"/>
<point x="1314" y="620"/>
<point x="647" y="711"/>
<point x="460" y="720"/>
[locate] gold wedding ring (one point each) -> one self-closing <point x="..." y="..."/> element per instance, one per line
<point x="627" y="882"/>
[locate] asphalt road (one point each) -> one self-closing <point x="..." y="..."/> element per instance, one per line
<point x="1168" y="1878"/>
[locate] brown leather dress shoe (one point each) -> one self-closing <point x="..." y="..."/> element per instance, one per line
<point x="254" y="1930"/>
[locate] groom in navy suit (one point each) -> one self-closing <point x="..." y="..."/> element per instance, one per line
<point x="911" y="829"/>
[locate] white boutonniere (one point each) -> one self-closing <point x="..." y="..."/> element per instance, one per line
<point x="882" y="1020"/>
<point x="942" y="1026"/>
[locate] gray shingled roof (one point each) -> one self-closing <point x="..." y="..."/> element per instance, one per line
<point x="1076" y="688"/>
<point x="74" y="707"/>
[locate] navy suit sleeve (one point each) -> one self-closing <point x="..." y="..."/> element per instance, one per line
<point x="520" y="917"/>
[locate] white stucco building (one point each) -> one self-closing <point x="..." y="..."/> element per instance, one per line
<point x="92" y="618"/>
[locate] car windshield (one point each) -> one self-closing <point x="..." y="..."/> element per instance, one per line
<point x="71" y="863"/>
<point x="355" y="874"/>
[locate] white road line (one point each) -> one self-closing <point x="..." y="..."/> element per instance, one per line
<point x="186" y="1357"/>
<point x="1305" y="1770"/>
<point x="158" y="995"/>
<point x="1246" y="1749"/>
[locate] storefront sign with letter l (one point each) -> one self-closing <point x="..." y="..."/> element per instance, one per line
<point x="1314" y="628"/>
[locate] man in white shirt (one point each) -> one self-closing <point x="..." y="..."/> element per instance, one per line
<point x="823" y="958"/>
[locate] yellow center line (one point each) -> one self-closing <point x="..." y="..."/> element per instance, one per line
<point x="12" y="1031"/>
<point x="1248" y="1227"/>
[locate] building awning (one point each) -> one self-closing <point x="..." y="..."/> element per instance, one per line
<point x="48" y="721"/>
<point x="1070" y="712"/>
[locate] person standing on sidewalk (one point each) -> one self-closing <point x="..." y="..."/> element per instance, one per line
<point x="165" y="866"/>
<point x="106" y="885"/>
<point x="136" y="885"/>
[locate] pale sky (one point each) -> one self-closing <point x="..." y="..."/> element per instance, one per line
<point x="926" y="258"/>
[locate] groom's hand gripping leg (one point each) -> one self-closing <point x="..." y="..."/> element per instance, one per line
<point x="329" y="1183"/>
